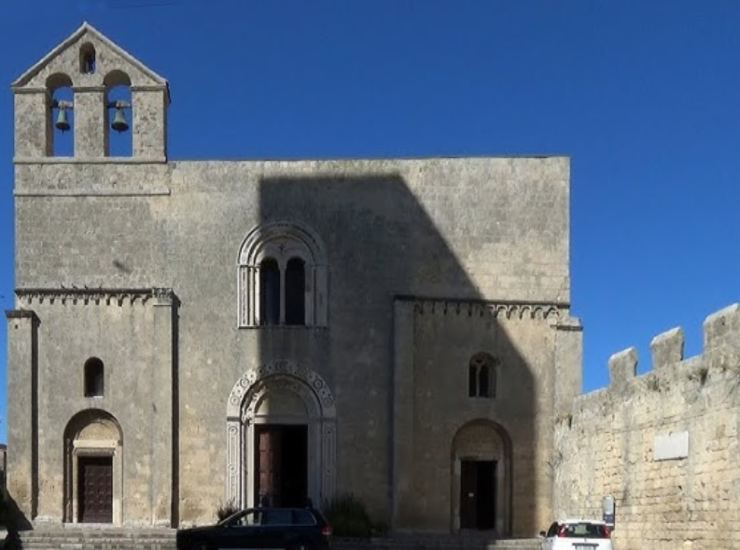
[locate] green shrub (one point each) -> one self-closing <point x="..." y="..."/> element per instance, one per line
<point x="348" y="516"/>
<point x="380" y="529"/>
<point x="226" y="509"/>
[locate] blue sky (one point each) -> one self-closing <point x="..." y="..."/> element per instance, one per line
<point x="643" y="96"/>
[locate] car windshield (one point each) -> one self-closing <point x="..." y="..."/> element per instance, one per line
<point x="241" y="519"/>
<point x="584" y="530"/>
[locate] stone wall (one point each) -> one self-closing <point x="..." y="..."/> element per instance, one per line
<point x="478" y="230"/>
<point x="664" y="444"/>
<point x="132" y="333"/>
<point x="438" y="423"/>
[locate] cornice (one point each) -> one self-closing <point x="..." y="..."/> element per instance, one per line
<point x="97" y="296"/>
<point x="20" y="314"/>
<point x="498" y="309"/>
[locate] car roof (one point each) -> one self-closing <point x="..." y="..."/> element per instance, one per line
<point x="581" y="520"/>
<point x="262" y="508"/>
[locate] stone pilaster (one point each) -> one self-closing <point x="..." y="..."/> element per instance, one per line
<point x="403" y="410"/>
<point x="90" y="122"/>
<point x="149" y="105"/>
<point x="164" y="387"/>
<point x="33" y="130"/>
<point x="22" y="480"/>
<point x="568" y="363"/>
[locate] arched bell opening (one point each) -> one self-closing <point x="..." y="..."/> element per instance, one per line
<point x="93" y="469"/>
<point x="60" y="116"/>
<point x="87" y="59"/>
<point x="481" y="486"/>
<point x="118" y="115"/>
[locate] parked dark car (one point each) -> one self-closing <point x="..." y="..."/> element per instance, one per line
<point x="288" y="528"/>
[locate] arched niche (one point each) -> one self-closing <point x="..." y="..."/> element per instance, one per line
<point x="280" y="393"/>
<point x="88" y="60"/>
<point x="482" y="441"/>
<point x="92" y="434"/>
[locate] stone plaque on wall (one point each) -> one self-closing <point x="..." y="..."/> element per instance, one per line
<point x="671" y="446"/>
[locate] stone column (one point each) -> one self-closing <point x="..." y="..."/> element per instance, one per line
<point x="91" y="117"/>
<point x="149" y="105"/>
<point x="403" y="410"/>
<point x="22" y="480"/>
<point x="164" y="419"/>
<point x="33" y="130"/>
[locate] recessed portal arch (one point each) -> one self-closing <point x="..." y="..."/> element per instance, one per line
<point x="281" y="397"/>
<point x="481" y="484"/>
<point x="93" y="468"/>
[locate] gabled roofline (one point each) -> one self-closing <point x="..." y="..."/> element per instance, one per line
<point x="88" y="28"/>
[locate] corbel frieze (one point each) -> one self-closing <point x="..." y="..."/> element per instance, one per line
<point x="96" y="296"/>
<point x="548" y="311"/>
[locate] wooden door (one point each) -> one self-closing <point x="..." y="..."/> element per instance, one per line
<point x="269" y="466"/>
<point x="486" y="494"/>
<point x="478" y="494"/>
<point x="468" y="488"/>
<point x="95" y="489"/>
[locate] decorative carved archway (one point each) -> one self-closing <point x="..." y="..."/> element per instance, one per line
<point x="243" y="413"/>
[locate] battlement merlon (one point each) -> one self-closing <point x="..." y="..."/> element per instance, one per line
<point x="622" y="367"/>
<point x="722" y="328"/>
<point x="667" y="348"/>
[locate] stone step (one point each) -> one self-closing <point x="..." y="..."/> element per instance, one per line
<point x="164" y="539"/>
<point x="96" y="539"/>
<point x="436" y="542"/>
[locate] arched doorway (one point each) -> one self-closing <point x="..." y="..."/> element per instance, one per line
<point x="281" y="442"/>
<point x="481" y="478"/>
<point x="93" y="473"/>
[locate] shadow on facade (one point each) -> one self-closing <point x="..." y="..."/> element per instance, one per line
<point x="14" y="518"/>
<point x="394" y="321"/>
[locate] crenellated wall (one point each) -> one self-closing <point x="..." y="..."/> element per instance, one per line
<point x="664" y="444"/>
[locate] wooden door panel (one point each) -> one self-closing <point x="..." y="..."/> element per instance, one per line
<point x="468" y="488"/>
<point x="281" y="465"/>
<point x="269" y="467"/>
<point x="486" y="494"/>
<point x="95" y="489"/>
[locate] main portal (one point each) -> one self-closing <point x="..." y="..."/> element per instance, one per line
<point x="281" y="465"/>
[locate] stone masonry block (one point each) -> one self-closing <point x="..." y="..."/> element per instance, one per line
<point x="622" y="367"/>
<point x="722" y="327"/>
<point x="667" y="348"/>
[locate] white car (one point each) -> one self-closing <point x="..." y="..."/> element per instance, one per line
<point x="577" y="534"/>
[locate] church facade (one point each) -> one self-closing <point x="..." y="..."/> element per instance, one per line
<point x="193" y="333"/>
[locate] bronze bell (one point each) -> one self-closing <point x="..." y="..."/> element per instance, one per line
<point x="62" y="123"/>
<point x="119" y="123"/>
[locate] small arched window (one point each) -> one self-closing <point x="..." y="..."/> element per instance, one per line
<point x="269" y="292"/>
<point x="295" y="292"/>
<point x="94" y="378"/>
<point x="87" y="59"/>
<point x="482" y="376"/>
